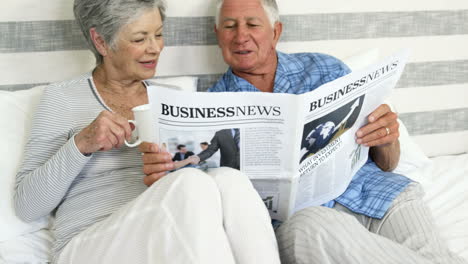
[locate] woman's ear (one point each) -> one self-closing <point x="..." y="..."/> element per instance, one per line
<point x="98" y="40"/>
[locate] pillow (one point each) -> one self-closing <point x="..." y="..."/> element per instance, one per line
<point x="16" y="110"/>
<point x="362" y="59"/>
<point x="185" y="83"/>
<point x="411" y="156"/>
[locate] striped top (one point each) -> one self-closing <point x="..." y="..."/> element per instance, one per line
<point x="56" y="177"/>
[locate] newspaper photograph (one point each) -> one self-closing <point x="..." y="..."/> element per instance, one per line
<point x="298" y="150"/>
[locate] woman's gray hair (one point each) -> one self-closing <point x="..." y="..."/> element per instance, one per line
<point x="270" y="7"/>
<point x="109" y="16"/>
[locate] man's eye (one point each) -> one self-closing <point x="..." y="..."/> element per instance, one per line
<point x="253" y="25"/>
<point x="229" y="26"/>
<point x="159" y="35"/>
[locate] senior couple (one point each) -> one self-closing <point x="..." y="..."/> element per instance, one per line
<point x="114" y="204"/>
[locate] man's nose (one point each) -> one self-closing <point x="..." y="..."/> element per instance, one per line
<point x="242" y="34"/>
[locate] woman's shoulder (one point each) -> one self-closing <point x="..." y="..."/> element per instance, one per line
<point x="70" y="87"/>
<point x="68" y="94"/>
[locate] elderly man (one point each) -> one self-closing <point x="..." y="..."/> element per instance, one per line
<point x="380" y="218"/>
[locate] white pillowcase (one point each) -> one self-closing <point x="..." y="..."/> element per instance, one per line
<point x="184" y="83"/>
<point x="16" y="112"/>
<point x="412" y="157"/>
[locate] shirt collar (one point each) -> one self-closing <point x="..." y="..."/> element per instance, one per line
<point x="286" y="65"/>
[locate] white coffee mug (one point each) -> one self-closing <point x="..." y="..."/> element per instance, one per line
<point x="144" y="127"/>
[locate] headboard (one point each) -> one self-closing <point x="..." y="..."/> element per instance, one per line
<point x="40" y="43"/>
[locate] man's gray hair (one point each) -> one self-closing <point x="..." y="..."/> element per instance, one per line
<point x="270" y="7"/>
<point x="109" y="16"/>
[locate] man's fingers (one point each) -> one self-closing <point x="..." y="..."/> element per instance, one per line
<point x="380" y="136"/>
<point x="388" y="120"/>
<point x="380" y="111"/>
<point x="382" y="141"/>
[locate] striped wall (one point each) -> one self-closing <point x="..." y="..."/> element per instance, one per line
<point x="40" y="43"/>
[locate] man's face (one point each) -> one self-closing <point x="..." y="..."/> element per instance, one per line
<point x="246" y="37"/>
<point x="183" y="150"/>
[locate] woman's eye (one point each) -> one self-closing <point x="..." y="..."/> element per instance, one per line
<point x="138" y="40"/>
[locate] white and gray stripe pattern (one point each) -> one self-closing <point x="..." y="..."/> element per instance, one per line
<point x="54" y="174"/>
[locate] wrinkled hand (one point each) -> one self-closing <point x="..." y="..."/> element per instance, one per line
<point x="194" y="159"/>
<point x="375" y="132"/>
<point x="156" y="162"/>
<point x="106" y="132"/>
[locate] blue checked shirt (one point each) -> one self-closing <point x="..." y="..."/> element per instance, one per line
<point x="371" y="190"/>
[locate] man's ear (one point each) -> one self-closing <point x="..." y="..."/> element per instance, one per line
<point x="98" y="41"/>
<point x="277" y="30"/>
<point x="215" y="29"/>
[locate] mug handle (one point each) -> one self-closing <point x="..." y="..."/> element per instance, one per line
<point x="136" y="143"/>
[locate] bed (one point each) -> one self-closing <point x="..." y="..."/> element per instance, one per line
<point x="40" y="44"/>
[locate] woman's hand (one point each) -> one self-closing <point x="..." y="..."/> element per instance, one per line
<point x="106" y="132"/>
<point x="156" y="162"/>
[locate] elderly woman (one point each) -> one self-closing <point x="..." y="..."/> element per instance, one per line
<point x="77" y="167"/>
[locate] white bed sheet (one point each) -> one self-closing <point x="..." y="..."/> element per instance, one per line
<point x="446" y="186"/>
<point x="445" y="182"/>
<point x="31" y="248"/>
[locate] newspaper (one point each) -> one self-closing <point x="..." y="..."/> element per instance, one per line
<point x="298" y="150"/>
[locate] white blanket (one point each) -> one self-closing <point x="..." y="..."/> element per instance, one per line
<point x="445" y="183"/>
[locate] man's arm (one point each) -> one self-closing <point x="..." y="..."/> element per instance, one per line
<point x="212" y="148"/>
<point x="386" y="156"/>
<point x="381" y="135"/>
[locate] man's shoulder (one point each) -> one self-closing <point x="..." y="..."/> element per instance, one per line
<point x="221" y="84"/>
<point x="310" y="59"/>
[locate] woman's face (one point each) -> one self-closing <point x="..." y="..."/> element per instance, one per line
<point x="138" y="46"/>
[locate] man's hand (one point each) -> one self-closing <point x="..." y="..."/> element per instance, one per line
<point x="381" y="134"/>
<point x="194" y="159"/>
<point x="382" y="128"/>
<point x="156" y="162"/>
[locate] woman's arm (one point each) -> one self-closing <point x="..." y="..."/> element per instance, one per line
<point x="51" y="160"/>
